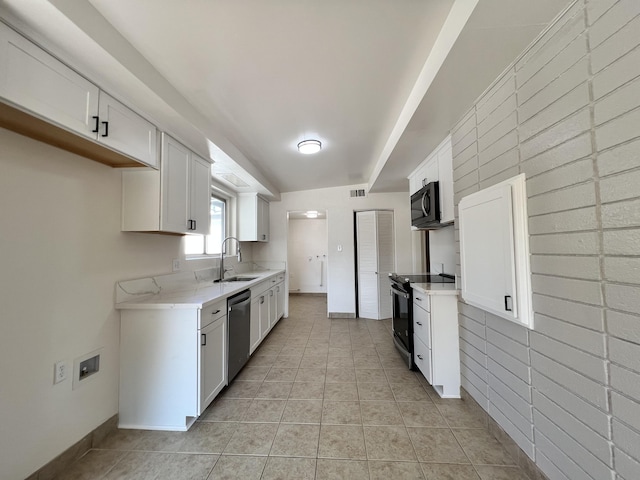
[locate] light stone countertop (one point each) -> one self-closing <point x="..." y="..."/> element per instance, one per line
<point x="184" y="290"/>
<point x="436" y="288"/>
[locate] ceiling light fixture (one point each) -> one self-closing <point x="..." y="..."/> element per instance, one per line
<point x="312" y="214"/>
<point x="309" y="146"/>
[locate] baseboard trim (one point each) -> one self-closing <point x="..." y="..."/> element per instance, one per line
<point x="527" y="465"/>
<point x="75" y="451"/>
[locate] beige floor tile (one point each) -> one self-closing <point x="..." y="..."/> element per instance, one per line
<point x="312" y="375"/>
<point x="375" y="391"/>
<point x="341" y="413"/>
<point x="340" y="362"/>
<point x="93" y="465"/>
<point x="268" y="348"/>
<point x="252" y="439"/>
<point x="122" y="439"/>
<point x="265" y="411"/>
<point x="241" y="389"/>
<point x="297" y="350"/>
<point x="342" y="441"/>
<point x="253" y="374"/>
<point x="180" y="466"/>
<point x="208" y="437"/>
<point x="314" y="361"/>
<point x="340" y="352"/>
<point x="283" y="468"/>
<point x="279" y="374"/>
<point x="379" y="470"/>
<point x="368" y="351"/>
<point x="421" y="414"/>
<point x="388" y="443"/>
<point x="262" y="360"/>
<point x="307" y="391"/>
<point x="157" y="441"/>
<point x="367" y="363"/>
<point x="440" y="471"/>
<point x="302" y="411"/>
<point x="380" y="413"/>
<point x="317" y="349"/>
<point x="329" y="469"/>
<point x="437" y="445"/>
<point x="482" y="448"/>
<point x="234" y="468"/>
<point x="226" y="410"/>
<point x="409" y="393"/>
<point x="341" y="375"/>
<point x="287" y="361"/>
<point x="274" y="390"/>
<point x="373" y="375"/>
<point x="162" y="466"/>
<point x="460" y="415"/>
<point x="295" y="440"/>
<point x="500" y="473"/>
<point x="341" y="391"/>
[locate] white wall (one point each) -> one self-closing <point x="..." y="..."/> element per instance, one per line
<point x="567" y="115"/>
<point x="61" y="252"/>
<point x="307" y="255"/>
<point x="340" y="207"/>
<point x="442" y="250"/>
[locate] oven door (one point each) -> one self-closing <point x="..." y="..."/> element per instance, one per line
<point x="401" y="323"/>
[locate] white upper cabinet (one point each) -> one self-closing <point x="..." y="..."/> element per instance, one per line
<point x="253" y="218"/>
<point x="176" y="199"/>
<point x="33" y="81"/>
<point x="124" y="130"/>
<point x="494" y="251"/>
<point x="438" y="166"/>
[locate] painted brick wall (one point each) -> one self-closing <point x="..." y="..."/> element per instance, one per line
<point x="567" y="114"/>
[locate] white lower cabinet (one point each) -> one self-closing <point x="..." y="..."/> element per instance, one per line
<point x="213" y="355"/>
<point x="435" y="341"/>
<point x="167" y="375"/>
<point x="267" y="307"/>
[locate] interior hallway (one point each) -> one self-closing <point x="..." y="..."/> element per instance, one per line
<point x="320" y="399"/>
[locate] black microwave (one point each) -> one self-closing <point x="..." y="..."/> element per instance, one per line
<point x="425" y="207"/>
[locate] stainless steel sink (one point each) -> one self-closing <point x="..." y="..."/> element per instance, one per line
<point x="238" y="279"/>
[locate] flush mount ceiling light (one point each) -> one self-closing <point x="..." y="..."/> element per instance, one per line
<point x="309" y="146"/>
<point x="312" y="214"/>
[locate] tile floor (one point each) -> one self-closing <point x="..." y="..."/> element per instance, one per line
<point x="320" y="399"/>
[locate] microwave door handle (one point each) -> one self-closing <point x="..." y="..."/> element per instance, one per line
<point x="426" y="208"/>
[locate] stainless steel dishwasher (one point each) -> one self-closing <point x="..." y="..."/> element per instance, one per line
<point x="239" y="307"/>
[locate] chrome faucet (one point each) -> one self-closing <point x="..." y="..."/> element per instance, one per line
<point x="222" y="269"/>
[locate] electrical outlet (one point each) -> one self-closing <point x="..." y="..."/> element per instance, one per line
<point x="59" y="372"/>
<point x="175" y="266"/>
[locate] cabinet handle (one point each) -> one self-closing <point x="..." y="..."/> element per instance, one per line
<point x="419" y="323"/>
<point x="261" y="300"/>
<point x="97" y="119"/>
<point x="203" y="339"/>
<point x="195" y="224"/>
<point x="271" y="293"/>
<point x="106" y="129"/>
<point x="420" y="357"/>
<point x="506" y="303"/>
<point x="217" y="311"/>
<point x="418" y="299"/>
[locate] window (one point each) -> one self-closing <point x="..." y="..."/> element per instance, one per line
<point x="210" y="244"/>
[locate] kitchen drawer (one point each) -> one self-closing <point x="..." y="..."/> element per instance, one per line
<point x="422" y="300"/>
<point x="422" y="325"/>
<point x="422" y="358"/>
<point x="212" y="312"/>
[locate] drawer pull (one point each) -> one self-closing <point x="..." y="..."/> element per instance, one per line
<point x="217" y="311"/>
<point x="419" y="323"/>
<point x="420" y="357"/>
<point x="418" y="299"/>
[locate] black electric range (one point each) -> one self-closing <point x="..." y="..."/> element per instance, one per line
<point x="402" y="299"/>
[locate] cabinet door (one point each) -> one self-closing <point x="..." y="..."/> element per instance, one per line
<point x="175" y="186"/>
<point x="263" y="220"/>
<point x="422" y="324"/>
<point x="200" y="195"/>
<point x="422" y="358"/>
<point x="124" y="130"/>
<point x="487" y="251"/>
<point x="255" y="334"/>
<point x="273" y="307"/>
<point x="279" y="301"/>
<point x="32" y="79"/>
<point x="263" y="306"/>
<point x="445" y="179"/>
<point x="213" y="356"/>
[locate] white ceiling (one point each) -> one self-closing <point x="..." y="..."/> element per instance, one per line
<point x="379" y="82"/>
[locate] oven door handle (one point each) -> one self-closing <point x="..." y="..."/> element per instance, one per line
<point x="396" y="291"/>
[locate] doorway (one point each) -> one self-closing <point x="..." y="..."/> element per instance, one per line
<point x="307" y="250"/>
